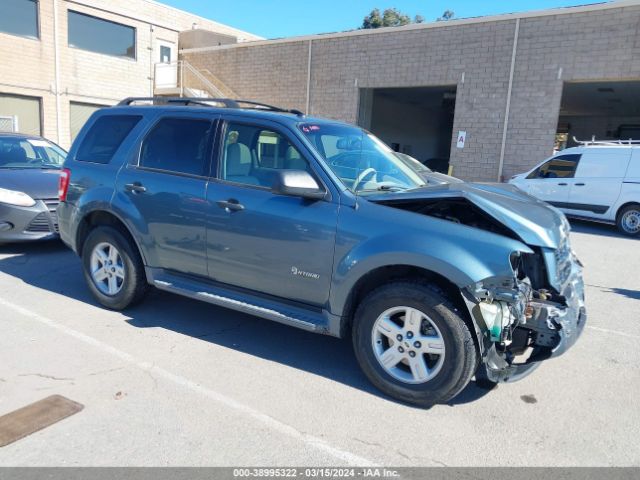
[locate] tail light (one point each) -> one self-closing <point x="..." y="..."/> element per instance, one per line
<point x="63" y="184"/>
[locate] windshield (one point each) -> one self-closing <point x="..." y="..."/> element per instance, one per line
<point x="412" y="163"/>
<point x="363" y="163"/>
<point x="20" y="152"/>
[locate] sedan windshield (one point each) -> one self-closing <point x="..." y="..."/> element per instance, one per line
<point x="360" y="160"/>
<point x="20" y="152"/>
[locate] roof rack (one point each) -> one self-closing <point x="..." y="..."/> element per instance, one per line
<point x="207" y="102"/>
<point x="593" y="141"/>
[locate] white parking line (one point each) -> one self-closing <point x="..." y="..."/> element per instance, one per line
<point x="616" y="332"/>
<point x="271" y="422"/>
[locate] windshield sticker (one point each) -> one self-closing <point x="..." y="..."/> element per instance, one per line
<point x="38" y="143"/>
<point x="310" y="128"/>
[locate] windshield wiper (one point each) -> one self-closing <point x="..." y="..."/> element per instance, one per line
<point x="386" y="188"/>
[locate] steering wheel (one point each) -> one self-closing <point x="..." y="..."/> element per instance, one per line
<point x="362" y="176"/>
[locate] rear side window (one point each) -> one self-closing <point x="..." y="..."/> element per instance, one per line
<point x="178" y="145"/>
<point x="105" y="137"/>
<point x="563" y="166"/>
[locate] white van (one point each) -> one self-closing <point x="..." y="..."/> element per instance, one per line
<point x="596" y="181"/>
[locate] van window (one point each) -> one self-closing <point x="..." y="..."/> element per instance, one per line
<point x="562" y="166"/>
<point x="105" y="136"/>
<point x="178" y="145"/>
<point x="604" y="164"/>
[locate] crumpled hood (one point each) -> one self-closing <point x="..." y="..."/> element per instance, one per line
<point x="535" y="222"/>
<point x="36" y="183"/>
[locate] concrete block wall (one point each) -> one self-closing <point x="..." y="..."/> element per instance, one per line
<point x="593" y="43"/>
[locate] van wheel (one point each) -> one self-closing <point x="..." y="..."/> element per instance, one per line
<point x="412" y="343"/>
<point x="628" y="220"/>
<point x="113" y="268"/>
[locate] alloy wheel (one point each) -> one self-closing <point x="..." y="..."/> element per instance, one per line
<point x="408" y="345"/>
<point x="107" y="268"/>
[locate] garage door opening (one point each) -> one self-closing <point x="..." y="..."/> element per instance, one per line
<point x="417" y="121"/>
<point x="600" y="110"/>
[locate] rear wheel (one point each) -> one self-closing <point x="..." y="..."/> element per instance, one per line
<point x="412" y="343"/>
<point x="113" y="268"/>
<point x="628" y="220"/>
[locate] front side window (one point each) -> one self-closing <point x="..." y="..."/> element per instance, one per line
<point x="253" y="155"/>
<point x="20" y="17"/>
<point x="16" y="152"/>
<point x="105" y="136"/>
<point x="178" y="145"/>
<point x="563" y="166"/>
<point x="101" y="36"/>
<point x="360" y="160"/>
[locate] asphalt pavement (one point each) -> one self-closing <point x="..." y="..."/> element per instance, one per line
<point x="175" y="382"/>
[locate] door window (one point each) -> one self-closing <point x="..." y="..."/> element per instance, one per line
<point x="253" y="155"/>
<point x="165" y="54"/>
<point x="563" y="166"/>
<point x="178" y="145"/>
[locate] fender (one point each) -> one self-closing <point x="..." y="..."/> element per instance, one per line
<point x="461" y="254"/>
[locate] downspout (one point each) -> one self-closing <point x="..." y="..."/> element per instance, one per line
<point x="508" y="107"/>
<point x="56" y="60"/>
<point x="308" y="109"/>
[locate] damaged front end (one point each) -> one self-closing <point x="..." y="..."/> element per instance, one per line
<point x="535" y="315"/>
<point x="534" y="308"/>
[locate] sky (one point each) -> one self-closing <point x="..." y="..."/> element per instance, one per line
<point x="286" y="18"/>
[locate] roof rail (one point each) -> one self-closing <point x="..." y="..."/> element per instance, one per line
<point x="207" y="102"/>
<point x="593" y="141"/>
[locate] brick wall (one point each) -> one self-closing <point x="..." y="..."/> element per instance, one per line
<point x="601" y="44"/>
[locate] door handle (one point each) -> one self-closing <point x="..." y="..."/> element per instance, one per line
<point x="562" y="184"/>
<point x="231" y="205"/>
<point x="135" y="187"/>
<point x="579" y="184"/>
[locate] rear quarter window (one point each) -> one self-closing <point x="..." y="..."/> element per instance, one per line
<point x="104" y="138"/>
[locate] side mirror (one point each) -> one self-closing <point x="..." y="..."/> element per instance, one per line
<point x="297" y="183"/>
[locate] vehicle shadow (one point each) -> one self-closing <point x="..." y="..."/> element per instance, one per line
<point x="52" y="267"/>
<point x="594" y="228"/>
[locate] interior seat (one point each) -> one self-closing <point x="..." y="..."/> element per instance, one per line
<point x="238" y="164"/>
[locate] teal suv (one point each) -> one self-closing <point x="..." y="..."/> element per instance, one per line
<point x="317" y="224"/>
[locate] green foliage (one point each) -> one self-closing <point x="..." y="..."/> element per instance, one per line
<point x="391" y="17"/>
<point x="447" y="15"/>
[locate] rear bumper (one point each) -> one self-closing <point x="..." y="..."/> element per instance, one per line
<point x="562" y="325"/>
<point x="25" y="224"/>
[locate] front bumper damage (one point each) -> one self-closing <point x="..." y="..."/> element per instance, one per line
<point x="548" y="325"/>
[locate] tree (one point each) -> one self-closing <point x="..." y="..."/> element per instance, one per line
<point x="418" y="19"/>
<point x="447" y="15"/>
<point x="391" y="17"/>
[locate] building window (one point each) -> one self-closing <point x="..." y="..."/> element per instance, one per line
<point x="101" y="36"/>
<point x="20" y="17"/>
<point x="20" y="114"/>
<point x="79" y="113"/>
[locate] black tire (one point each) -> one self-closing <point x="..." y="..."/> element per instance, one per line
<point x="460" y="359"/>
<point x="134" y="285"/>
<point x="623" y="226"/>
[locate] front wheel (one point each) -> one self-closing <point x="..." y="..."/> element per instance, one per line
<point x="413" y="344"/>
<point x="628" y="220"/>
<point x="113" y="268"/>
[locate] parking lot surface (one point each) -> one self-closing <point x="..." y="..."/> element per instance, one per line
<point x="182" y="383"/>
